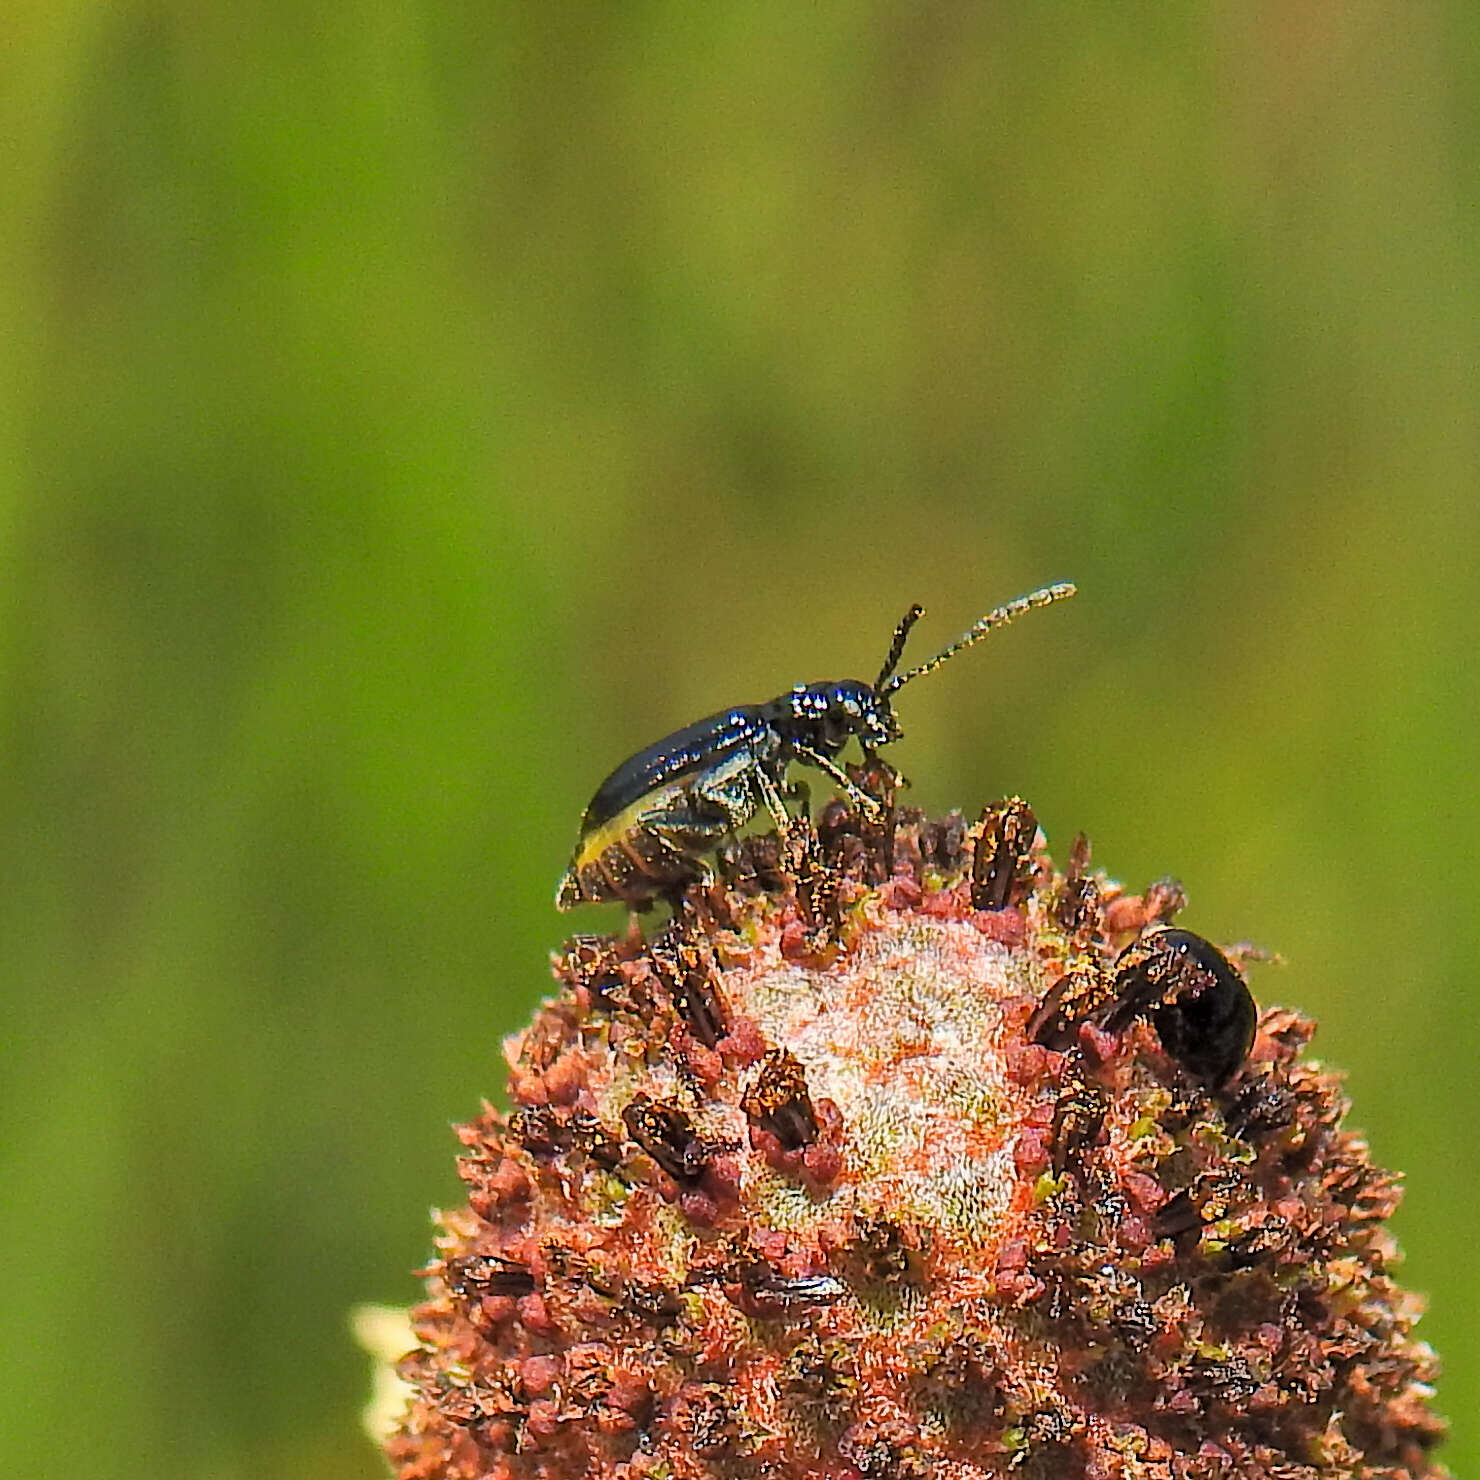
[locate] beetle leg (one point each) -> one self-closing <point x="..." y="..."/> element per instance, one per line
<point x="774" y="802"/>
<point x="799" y="793"/>
<point x="866" y="804"/>
<point x="675" y="849"/>
<point x="889" y="779"/>
<point x="685" y="834"/>
<point x="792" y="832"/>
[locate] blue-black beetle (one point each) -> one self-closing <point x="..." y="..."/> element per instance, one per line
<point x="650" y="822"/>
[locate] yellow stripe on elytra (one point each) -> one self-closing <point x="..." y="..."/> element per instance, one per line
<point x="596" y="842"/>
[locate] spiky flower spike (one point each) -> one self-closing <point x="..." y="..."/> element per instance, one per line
<point x="917" y="1160"/>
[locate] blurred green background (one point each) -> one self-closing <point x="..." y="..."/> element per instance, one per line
<point x="408" y="410"/>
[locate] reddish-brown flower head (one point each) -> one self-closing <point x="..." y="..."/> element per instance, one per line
<point x="916" y="1160"/>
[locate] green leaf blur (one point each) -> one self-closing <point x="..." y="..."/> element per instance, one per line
<point x="408" y="410"/>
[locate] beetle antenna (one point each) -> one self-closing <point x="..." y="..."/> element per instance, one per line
<point x="978" y="630"/>
<point x="896" y="648"/>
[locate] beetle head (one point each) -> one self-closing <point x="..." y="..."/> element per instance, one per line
<point x="824" y="716"/>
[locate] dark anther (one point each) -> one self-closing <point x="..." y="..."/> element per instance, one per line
<point x="875" y="776"/>
<point x="1080" y="899"/>
<point x="696" y="996"/>
<point x="943" y="843"/>
<point x="1164" y="899"/>
<point x="963" y="1374"/>
<point x="1228" y="1379"/>
<point x="471" y="1405"/>
<point x="821" y="1375"/>
<point x="566" y="1264"/>
<point x="1135" y="1323"/>
<point x="1261" y="1108"/>
<point x="1215" y="1190"/>
<point x="1049" y="1024"/>
<point x="884" y="1449"/>
<point x="652" y="1303"/>
<point x="1199" y="1004"/>
<point x="882" y="1254"/>
<point x="544" y="1132"/>
<point x="1005" y="843"/>
<point x="477" y="1275"/>
<point x="768" y="1292"/>
<point x="668" y="1136"/>
<point x="761" y="867"/>
<point x="908" y="858"/>
<point x="710" y="1419"/>
<point x="779" y="1102"/>
<point x="1078" y="1119"/>
<point x="1177" y="1216"/>
<point x="591" y="961"/>
<point x="1049" y="1429"/>
<point x="1256" y="1245"/>
<point x="589" y="1135"/>
<point x="540" y="1130"/>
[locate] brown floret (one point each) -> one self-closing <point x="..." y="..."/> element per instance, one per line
<point x="912" y="1158"/>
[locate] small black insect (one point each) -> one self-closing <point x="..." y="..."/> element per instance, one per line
<point x="1198" y="1003"/>
<point x="652" y="820"/>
